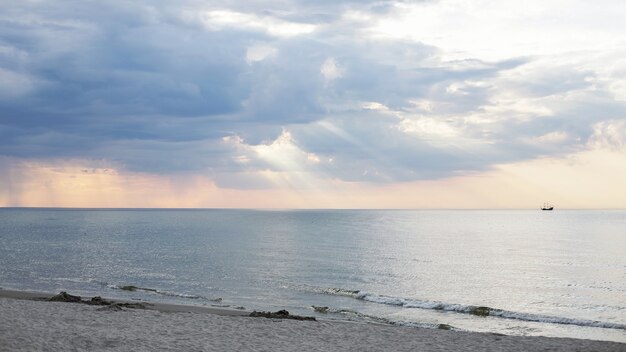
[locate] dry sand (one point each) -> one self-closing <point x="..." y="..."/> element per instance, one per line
<point x="33" y="325"/>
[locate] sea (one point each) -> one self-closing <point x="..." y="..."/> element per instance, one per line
<point x="549" y="273"/>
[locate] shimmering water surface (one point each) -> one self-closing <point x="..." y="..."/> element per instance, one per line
<point x="560" y="273"/>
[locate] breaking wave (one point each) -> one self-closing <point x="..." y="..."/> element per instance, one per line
<point x="468" y="309"/>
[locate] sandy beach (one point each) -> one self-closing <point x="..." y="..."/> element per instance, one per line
<point x="31" y="324"/>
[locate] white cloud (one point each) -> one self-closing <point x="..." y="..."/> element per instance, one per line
<point x="375" y="106"/>
<point x="427" y="127"/>
<point x="219" y="19"/>
<point x="551" y="138"/>
<point x="259" y="52"/>
<point x="495" y="30"/>
<point x="279" y="156"/>
<point x="313" y="158"/>
<point x="330" y="70"/>
<point x="609" y="135"/>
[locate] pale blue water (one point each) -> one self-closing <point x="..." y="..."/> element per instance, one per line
<point x="560" y="273"/>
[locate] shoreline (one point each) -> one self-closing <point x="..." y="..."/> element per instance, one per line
<point x="29" y="322"/>
<point x="158" y="306"/>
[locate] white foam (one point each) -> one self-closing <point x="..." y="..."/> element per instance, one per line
<point x="340" y="292"/>
<point x="470" y="309"/>
<point x="371" y="318"/>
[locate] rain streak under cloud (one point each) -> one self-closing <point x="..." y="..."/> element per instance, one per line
<point x="294" y="94"/>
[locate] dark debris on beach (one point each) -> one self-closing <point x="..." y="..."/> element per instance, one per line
<point x="281" y="314"/>
<point x="95" y="301"/>
<point x="116" y="306"/>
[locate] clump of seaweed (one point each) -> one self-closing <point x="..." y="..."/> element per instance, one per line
<point x="281" y="314"/>
<point x="480" y="311"/>
<point x="65" y="297"/>
<point x="320" y="309"/>
<point x="96" y="301"/>
<point x="129" y="288"/>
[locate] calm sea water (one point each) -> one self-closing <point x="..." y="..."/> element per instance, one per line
<point x="560" y="273"/>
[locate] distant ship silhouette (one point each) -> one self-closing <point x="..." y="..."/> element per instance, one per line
<point x="547" y="206"/>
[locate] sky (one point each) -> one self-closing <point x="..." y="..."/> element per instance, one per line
<point x="453" y="104"/>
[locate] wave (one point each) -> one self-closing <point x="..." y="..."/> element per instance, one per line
<point x="349" y="314"/>
<point x="133" y="288"/>
<point x="468" y="309"/>
<point x="68" y="279"/>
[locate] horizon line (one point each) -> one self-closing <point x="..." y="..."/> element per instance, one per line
<point x="293" y="209"/>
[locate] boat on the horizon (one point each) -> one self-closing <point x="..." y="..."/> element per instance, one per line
<point x="547" y="206"/>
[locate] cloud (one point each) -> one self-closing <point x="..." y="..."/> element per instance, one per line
<point x="609" y="135"/>
<point x="330" y="70"/>
<point x="286" y="93"/>
<point x="14" y="85"/>
<point x="499" y="30"/>
<point x="259" y="52"/>
<point x="220" y="19"/>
